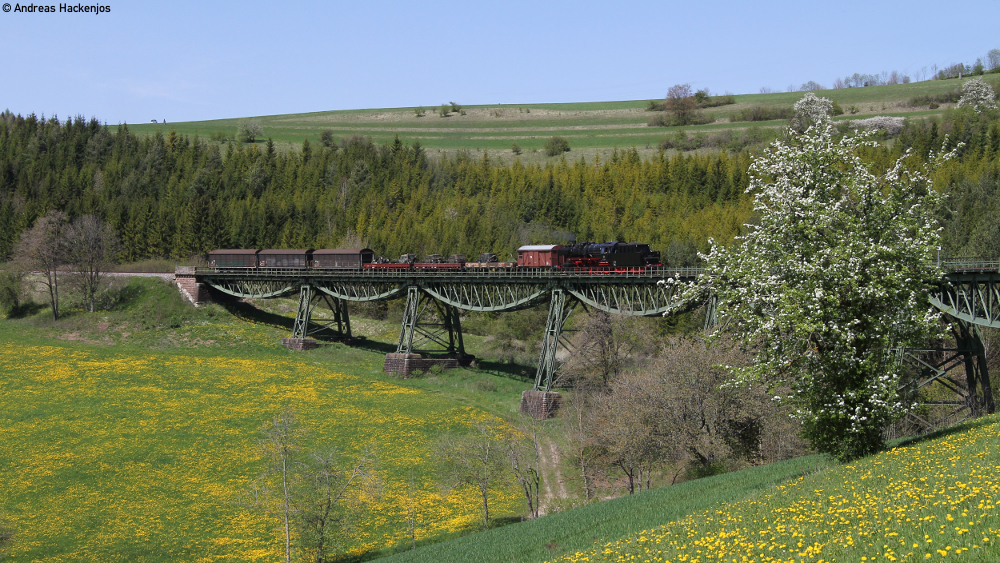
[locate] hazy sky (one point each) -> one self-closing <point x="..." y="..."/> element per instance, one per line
<point x="184" y="61"/>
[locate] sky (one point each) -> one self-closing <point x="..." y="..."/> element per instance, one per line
<point x="190" y="61"/>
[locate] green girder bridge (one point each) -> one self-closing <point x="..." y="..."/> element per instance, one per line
<point x="434" y="299"/>
<point x="969" y="295"/>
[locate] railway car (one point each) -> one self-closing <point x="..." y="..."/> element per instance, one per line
<point x="233" y="258"/>
<point x="298" y="259"/>
<point x="342" y="258"/>
<point x="540" y="256"/>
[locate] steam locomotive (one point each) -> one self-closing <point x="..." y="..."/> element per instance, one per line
<point x="584" y="257"/>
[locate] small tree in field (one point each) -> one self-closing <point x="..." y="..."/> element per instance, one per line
<point x="478" y="458"/>
<point x="978" y="94"/>
<point x="91" y="247"/>
<point x="833" y="276"/>
<point x="556" y="146"/>
<point x="248" y="130"/>
<point x="43" y="248"/>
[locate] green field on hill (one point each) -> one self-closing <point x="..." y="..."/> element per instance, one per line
<point x="591" y="127"/>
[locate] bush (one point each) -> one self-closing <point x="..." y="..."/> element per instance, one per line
<point x="419" y="112"/>
<point x="10" y="293"/>
<point x="248" y="130"/>
<point x="556" y="146"/>
<point x="726" y="100"/>
<point x="675" y="120"/>
<point x="655" y="106"/>
<point x="946" y="98"/>
<point x="515" y="148"/>
<point x="761" y="113"/>
<point x="326" y="137"/>
<point x="725" y="140"/>
<point x="891" y="125"/>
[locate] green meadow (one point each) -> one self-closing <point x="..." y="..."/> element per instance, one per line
<point x="132" y="435"/>
<point x="591" y="127"/>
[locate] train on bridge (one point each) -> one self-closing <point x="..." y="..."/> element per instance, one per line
<point x="612" y="256"/>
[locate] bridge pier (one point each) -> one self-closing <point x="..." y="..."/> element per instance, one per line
<point x="444" y="332"/>
<point x="560" y="306"/>
<point x="971" y="398"/>
<point x="306" y="326"/>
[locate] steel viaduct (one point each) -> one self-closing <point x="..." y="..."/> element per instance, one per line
<point x="968" y="294"/>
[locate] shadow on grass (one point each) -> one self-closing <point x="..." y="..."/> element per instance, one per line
<point x="23" y="310"/>
<point x="958" y="428"/>
<point x="248" y="312"/>
<point x="517" y="372"/>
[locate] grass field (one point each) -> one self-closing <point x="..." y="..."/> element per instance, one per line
<point x="130" y="435"/>
<point x="593" y="127"/>
<point x="930" y="499"/>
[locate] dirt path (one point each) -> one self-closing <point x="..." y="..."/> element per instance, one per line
<point x="552" y="477"/>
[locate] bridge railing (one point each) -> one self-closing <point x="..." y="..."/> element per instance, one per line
<point x="506" y="273"/>
<point x="969" y="265"/>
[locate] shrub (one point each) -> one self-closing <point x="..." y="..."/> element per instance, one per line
<point x="248" y="130"/>
<point x="655" y="106"/>
<point x="726" y="100"/>
<point x="556" y="146"/>
<point x="326" y="138"/>
<point x="761" y="113"/>
<point x="444" y="110"/>
<point x="419" y="112"/>
<point x="892" y="125"/>
<point x="10" y="293"/>
<point x="944" y="98"/>
<point x="515" y="148"/>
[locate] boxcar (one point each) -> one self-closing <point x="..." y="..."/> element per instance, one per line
<point x="233" y="258"/>
<point x="342" y="258"/>
<point x="539" y="256"/>
<point x="284" y="258"/>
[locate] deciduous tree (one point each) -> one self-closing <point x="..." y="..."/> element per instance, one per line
<point x="91" y="247"/>
<point x="43" y="248"/>
<point x="832" y="276"/>
<point x="476" y="458"/>
<point x="978" y="94"/>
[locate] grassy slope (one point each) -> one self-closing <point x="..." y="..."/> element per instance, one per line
<point x="130" y="435"/>
<point x="574" y="530"/>
<point x="590" y="127"/>
<point x="929" y="498"/>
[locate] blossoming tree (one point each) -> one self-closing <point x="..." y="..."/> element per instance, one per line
<point x="978" y="94"/>
<point x="828" y="280"/>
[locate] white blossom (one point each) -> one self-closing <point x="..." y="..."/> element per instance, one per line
<point x="978" y="94"/>
<point x="831" y="277"/>
<point x="892" y="125"/>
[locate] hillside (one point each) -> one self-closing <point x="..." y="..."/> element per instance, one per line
<point x="132" y="435"/>
<point x="594" y="127"/>
<point x="929" y="498"/>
